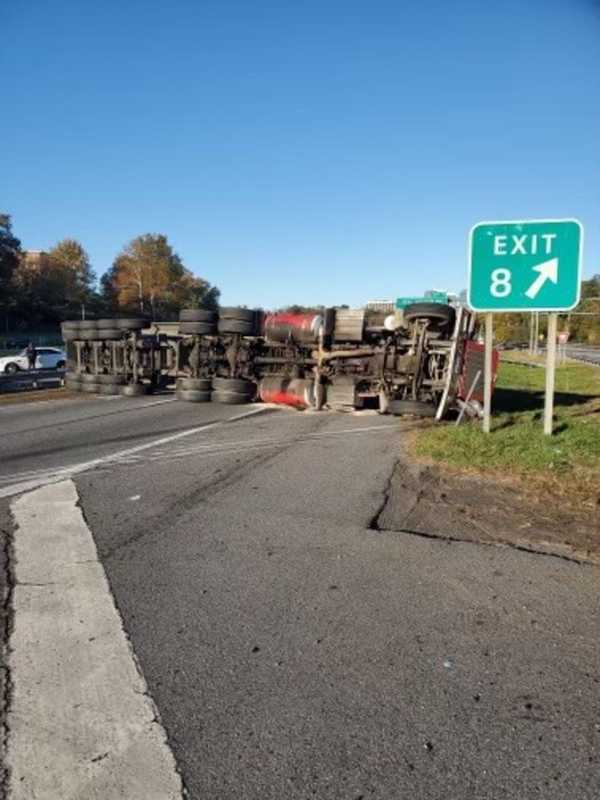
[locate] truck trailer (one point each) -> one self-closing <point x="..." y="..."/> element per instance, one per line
<point x="420" y="360"/>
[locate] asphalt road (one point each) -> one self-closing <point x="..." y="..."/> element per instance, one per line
<point x="589" y="354"/>
<point x="293" y="651"/>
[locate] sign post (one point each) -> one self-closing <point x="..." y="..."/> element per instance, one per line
<point x="550" y="368"/>
<point x="487" y="372"/>
<point x="532" y="265"/>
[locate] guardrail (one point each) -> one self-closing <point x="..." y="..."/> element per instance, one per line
<point x="28" y="380"/>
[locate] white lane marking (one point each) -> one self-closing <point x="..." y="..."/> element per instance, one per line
<point x="135" y="497"/>
<point x="61" y="473"/>
<point x="81" y="722"/>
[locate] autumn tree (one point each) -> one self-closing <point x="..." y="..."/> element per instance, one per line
<point x="54" y="285"/>
<point x="149" y="277"/>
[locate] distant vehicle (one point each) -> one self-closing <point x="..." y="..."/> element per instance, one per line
<point x="47" y="358"/>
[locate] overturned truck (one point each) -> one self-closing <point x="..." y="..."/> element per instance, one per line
<point x="414" y="361"/>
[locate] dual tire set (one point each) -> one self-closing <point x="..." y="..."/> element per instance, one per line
<point x="91" y="330"/>
<point x="103" y="384"/>
<point x="231" y="391"/>
<point x="200" y="322"/>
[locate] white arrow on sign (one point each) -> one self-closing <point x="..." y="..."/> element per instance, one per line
<point x="548" y="271"/>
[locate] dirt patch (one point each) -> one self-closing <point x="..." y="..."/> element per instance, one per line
<point x="428" y="500"/>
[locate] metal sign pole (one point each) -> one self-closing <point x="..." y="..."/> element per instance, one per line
<point x="550" y="369"/>
<point x="487" y="373"/>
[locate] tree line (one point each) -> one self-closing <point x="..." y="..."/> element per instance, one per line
<point x="583" y="323"/>
<point x="147" y="277"/>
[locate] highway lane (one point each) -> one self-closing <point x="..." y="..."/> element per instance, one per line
<point x="293" y="651"/>
<point x="589" y="354"/>
<point x="49" y="435"/>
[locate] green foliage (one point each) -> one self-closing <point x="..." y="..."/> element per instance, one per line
<point x="10" y="249"/>
<point x="149" y="277"/>
<point x="517" y="445"/>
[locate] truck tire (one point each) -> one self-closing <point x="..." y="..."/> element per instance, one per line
<point x="194" y="384"/>
<point x="107" y="379"/>
<point x="197" y="315"/>
<point x="110" y="334"/>
<point x="134" y="390"/>
<point x="438" y="313"/>
<point x="89" y="334"/>
<point x="197" y="328"/>
<point x="414" y="407"/>
<point x="73" y="383"/>
<point x="130" y="324"/>
<point x="242" y="314"/>
<point x="193" y="395"/>
<point x="234" y="385"/>
<point x="231" y="398"/>
<point x="110" y="388"/>
<point x="92" y="388"/>
<point x="89" y="377"/>
<point x="240" y="326"/>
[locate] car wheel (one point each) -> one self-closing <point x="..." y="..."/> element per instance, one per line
<point x="11" y="368"/>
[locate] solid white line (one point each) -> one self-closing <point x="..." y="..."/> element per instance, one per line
<point x="81" y="723"/>
<point x="61" y="473"/>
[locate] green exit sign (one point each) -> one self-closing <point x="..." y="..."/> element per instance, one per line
<point x="432" y="297"/>
<point x="533" y="265"/>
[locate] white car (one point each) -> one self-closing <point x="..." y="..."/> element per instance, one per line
<point x="47" y="358"/>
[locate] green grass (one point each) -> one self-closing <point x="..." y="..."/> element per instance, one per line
<point x="517" y="447"/>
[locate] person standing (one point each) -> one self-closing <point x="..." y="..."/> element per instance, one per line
<point x="31" y="355"/>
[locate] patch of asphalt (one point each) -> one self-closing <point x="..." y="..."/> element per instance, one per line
<point x="292" y="653"/>
<point x="426" y="501"/>
<point x="6" y="619"/>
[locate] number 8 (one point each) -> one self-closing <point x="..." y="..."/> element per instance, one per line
<point x="501" y="283"/>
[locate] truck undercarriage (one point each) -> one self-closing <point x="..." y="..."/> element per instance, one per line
<point x="406" y="362"/>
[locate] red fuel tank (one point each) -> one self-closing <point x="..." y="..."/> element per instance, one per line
<point x="297" y="327"/>
<point x="297" y="392"/>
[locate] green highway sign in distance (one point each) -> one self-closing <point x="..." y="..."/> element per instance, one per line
<point x="432" y="297"/>
<point x="525" y="266"/>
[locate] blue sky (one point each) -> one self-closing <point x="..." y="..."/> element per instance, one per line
<point x="309" y="152"/>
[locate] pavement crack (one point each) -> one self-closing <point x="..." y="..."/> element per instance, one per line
<point x="449" y="538"/>
<point x="373" y="524"/>
<point x="7" y="623"/>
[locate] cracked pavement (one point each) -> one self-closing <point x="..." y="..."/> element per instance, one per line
<point x="297" y="645"/>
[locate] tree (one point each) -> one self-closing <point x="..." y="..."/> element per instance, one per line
<point x="71" y="274"/>
<point x="10" y="251"/>
<point x="53" y="286"/>
<point x="149" y="277"/>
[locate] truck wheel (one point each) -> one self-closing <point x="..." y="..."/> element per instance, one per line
<point x="414" y="407"/>
<point x="438" y="313"/>
<point x="108" y="379"/>
<point x="134" y="390"/>
<point x="242" y="314"/>
<point x="194" y="384"/>
<point x="130" y="324"/>
<point x="110" y="388"/>
<point x="197" y="328"/>
<point x="241" y="326"/>
<point x="234" y="385"/>
<point x="197" y="315"/>
<point x="193" y="395"/>
<point x="231" y="398"/>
